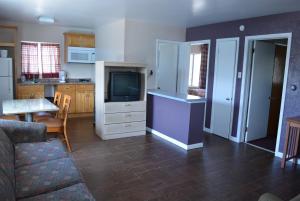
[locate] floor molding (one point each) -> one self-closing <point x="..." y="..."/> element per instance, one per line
<point x="173" y="141"/>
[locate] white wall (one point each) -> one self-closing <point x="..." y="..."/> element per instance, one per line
<point x="50" y="33"/>
<point x="140" y="42"/>
<point x="110" y="41"/>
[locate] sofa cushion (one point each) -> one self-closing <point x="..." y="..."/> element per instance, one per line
<point x="32" y="153"/>
<point x="77" y="192"/>
<point x="7" y="192"/>
<point x="45" y="177"/>
<point x="7" y="157"/>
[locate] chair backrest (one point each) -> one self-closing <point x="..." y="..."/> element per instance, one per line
<point x="57" y="98"/>
<point x="65" y="108"/>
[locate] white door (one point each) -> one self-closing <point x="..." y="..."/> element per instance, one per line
<point x="260" y="90"/>
<point x="167" y="64"/>
<point x="224" y="82"/>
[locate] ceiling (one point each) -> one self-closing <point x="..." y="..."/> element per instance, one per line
<point x="187" y="13"/>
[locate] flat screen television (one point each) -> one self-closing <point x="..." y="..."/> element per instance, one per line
<point x="124" y="86"/>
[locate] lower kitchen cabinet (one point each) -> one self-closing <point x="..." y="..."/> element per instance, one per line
<point x="30" y="91"/>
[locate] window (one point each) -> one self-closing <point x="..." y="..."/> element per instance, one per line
<point x="198" y="66"/>
<point x="40" y="59"/>
<point x="194" y="74"/>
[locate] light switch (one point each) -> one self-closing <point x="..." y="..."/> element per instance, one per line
<point x="239" y="75"/>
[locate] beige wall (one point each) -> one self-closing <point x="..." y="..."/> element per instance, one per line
<point x="50" y="33"/>
<point x="110" y="41"/>
<point x="134" y="41"/>
<point x="140" y="42"/>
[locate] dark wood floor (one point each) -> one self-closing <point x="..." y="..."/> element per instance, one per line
<point x="149" y="169"/>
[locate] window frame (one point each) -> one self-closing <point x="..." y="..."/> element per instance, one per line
<point x="40" y="61"/>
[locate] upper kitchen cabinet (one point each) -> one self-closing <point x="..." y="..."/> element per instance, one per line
<point x="79" y="40"/>
<point x="79" y="48"/>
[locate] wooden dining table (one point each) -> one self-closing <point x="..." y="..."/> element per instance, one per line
<point x="28" y="107"/>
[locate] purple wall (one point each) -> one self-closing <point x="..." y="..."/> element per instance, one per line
<point x="282" y="23"/>
<point x="178" y="120"/>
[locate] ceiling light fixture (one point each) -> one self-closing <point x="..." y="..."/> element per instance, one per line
<point x="46" y="20"/>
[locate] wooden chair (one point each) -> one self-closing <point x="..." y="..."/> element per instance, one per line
<point x="45" y="115"/>
<point x="58" y="124"/>
<point x="10" y="117"/>
<point x="292" y="138"/>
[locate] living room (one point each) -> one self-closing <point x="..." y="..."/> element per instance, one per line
<point x="132" y="105"/>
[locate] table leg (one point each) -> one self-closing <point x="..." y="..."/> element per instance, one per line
<point x="28" y="117"/>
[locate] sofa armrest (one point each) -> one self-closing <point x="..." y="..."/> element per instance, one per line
<point x="21" y="132"/>
<point x="269" y="197"/>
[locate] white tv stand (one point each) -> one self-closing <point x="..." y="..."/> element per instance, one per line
<point x="119" y="119"/>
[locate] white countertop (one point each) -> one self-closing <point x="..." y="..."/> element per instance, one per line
<point x="177" y="96"/>
<point x="23" y="106"/>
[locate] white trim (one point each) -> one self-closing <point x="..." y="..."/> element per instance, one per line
<point x="245" y="93"/>
<point x="237" y="39"/>
<point x="208" y="130"/>
<point x="234" y="139"/>
<point x="258" y="147"/>
<point x="176" y="142"/>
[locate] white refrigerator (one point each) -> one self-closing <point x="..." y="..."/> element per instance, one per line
<point x="6" y="81"/>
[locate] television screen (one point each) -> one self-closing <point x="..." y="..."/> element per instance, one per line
<point x="125" y="86"/>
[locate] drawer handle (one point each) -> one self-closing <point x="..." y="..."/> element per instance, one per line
<point x="128" y="115"/>
<point x="128" y="125"/>
<point x="127" y="105"/>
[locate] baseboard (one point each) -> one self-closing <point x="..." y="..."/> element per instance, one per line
<point x="173" y="141"/>
<point x="208" y="130"/>
<point x="123" y="135"/>
<point x="279" y="155"/>
<point x="234" y="139"/>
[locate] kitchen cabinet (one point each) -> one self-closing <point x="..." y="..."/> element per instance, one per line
<point x="30" y="91"/>
<point x="79" y="40"/>
<point x="85" y="98"/>
<point x="83" y="95"/>
<point x="69" y="89"/>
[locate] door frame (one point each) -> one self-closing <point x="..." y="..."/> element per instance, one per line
<point x="246" y="84"/>
<point x="202" y="42"/>
<point x="237" y="39"/>
<point x="157" y="59"/>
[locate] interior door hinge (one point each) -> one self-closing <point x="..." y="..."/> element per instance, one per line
<point x="246" y="129"/>
<point x="253" y="50"/>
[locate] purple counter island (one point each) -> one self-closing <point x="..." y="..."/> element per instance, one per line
<point x="177" y="118"/>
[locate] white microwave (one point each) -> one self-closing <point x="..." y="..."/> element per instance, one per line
<point x="81" y="55"/>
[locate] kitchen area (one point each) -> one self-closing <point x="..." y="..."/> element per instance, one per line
<point x="76" y="53"/>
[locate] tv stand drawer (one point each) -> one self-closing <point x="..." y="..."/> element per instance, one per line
<point x="124" y="127"/>
<point x="116" y="107"/>
<point x="115" y="118"/>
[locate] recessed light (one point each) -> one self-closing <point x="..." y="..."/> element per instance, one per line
<point x="46" y="20"/>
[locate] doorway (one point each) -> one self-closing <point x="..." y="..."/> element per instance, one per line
<point x="267" y="64"/>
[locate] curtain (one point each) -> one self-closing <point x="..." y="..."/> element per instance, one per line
<point x="50" y="54"/>
<point x="29" y="60"/>
<point x="203" y="67"/>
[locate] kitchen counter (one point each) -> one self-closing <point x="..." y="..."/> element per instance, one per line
<point x="55" y="82"/>
<point x="177" y="96"/>
<point x="176" y="118"/>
